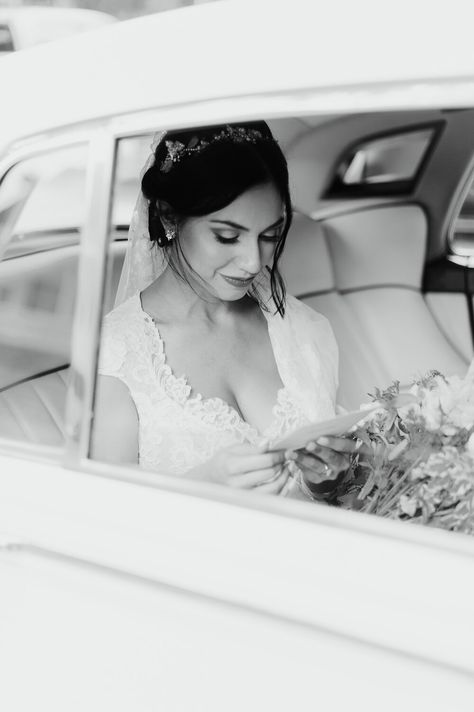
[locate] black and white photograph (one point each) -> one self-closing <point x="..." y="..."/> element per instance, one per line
<point x="236" y="356"/>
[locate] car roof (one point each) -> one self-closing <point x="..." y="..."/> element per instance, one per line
<point x="233" y="48"/>
<point x="31" y="25"/>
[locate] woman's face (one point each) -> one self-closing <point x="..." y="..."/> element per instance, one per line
<point x="229" y="247"/>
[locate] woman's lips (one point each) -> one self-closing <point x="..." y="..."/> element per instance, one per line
<point x="239" y="281"/>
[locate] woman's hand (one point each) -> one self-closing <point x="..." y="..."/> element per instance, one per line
<point x="246" y="466"/>
<point x="324" y="461"/>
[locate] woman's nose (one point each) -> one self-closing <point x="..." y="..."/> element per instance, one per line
<point x="250" y="258"/>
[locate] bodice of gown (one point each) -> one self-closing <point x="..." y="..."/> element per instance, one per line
<point x="178" y="428"/>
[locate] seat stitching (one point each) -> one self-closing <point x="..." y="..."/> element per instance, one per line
<point x="367" y="287"/>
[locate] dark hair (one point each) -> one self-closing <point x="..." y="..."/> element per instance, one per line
<point x="208" y="180"/>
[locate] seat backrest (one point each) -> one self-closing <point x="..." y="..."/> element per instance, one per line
<point x="363" y="271"/>
<point x="33" y="411"/>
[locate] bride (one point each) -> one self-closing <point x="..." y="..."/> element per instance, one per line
<point x="205" y="362"/>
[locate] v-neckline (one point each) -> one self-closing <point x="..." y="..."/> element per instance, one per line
<point x="179" y="389"/>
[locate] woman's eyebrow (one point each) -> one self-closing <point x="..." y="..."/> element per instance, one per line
<point x="231" y="224"/>
<point x="242" y="227"/>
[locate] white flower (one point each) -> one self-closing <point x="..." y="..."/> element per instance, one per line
<point x="408" y="505"/>
<point x="470" y="445"/>
<point x="431" y="409"/>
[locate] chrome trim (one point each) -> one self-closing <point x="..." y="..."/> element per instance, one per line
<point x="462" y="260"/>
<point x="457" y="204"/>
<point x="90" y="282"/>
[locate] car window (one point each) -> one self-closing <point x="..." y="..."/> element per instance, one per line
<point x="461" y="232"/>
<point x="387" y="163"/>
<point x="131" y="154"/>
<point x="42" y="204"/>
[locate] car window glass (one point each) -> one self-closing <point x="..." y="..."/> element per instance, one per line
<point x="42" y="202"/>
<point x="131" y="155"/>
<point x="42" y="207"/>
<point x="385" y="161"/>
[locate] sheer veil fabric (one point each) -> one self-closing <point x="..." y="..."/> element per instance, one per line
<point x="144" y="261"/>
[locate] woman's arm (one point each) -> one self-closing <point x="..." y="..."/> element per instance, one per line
<point x="115" y="427"/>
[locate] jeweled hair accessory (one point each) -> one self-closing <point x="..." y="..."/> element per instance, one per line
<point x="176" y="150"/>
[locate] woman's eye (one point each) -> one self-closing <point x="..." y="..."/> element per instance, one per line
<point x="226" y="236"/>
<point x="271" y="238"/>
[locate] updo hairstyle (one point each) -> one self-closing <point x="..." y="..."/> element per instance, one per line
<point x="202" y="182"/>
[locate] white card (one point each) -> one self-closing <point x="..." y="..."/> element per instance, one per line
<point x="336" y="426"/>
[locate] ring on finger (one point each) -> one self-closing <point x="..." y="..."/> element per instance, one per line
<point x="327" y="469"/>
<point x="271" y="479"/>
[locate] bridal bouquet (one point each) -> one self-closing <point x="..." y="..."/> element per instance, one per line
<point x="418" y="463"/>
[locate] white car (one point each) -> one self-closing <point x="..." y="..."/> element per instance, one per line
<point x="125" y="590"/>
<point x="22" y="27"/>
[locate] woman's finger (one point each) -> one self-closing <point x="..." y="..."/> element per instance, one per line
<point x="257" y="478"/>
<point x="347" y="445"/>
<point x="276" y="485"/>
<point x="323" y="469"/>
<point x="238" y="465"/>
<point x="338" y="444"/>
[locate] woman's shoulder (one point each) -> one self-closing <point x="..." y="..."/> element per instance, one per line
<point x="119" y="331"/>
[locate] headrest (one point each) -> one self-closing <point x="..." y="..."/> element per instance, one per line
<point x="305" y="263"/>
<point x="380" y="246"/>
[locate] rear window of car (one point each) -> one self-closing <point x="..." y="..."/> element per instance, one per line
<point x="6" y="39"/>
<point x="383" y="165"/>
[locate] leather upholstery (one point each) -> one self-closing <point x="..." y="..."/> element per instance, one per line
<point x="382" y="323"/>
<point x="34" y="411"/>
<point x="306" y="262"/>
<point x="378" y="247"/>
<point x="449" y="310"/>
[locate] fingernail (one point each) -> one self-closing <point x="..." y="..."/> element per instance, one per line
<point x="311" y="446"/>
<point x="323" y="440"/>
<point x="290" y="455"/>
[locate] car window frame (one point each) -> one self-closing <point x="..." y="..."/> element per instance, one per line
<point x="14" y="155"/>
<point x="103" y="136"/>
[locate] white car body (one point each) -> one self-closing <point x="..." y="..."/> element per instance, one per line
<point x="24" y="27"/>
<point x="125" y="590"/>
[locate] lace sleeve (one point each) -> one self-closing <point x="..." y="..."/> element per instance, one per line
<point x="113" y="348"/>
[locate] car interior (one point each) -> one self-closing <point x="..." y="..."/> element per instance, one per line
<point x="380" y="244"/>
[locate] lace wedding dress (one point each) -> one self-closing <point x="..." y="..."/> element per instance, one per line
<point x="179" y="428"/>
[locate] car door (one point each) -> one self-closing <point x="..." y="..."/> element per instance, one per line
<point x="124" y="589"/>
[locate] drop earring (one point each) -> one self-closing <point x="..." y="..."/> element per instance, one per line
<point x="170" y="232"/>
